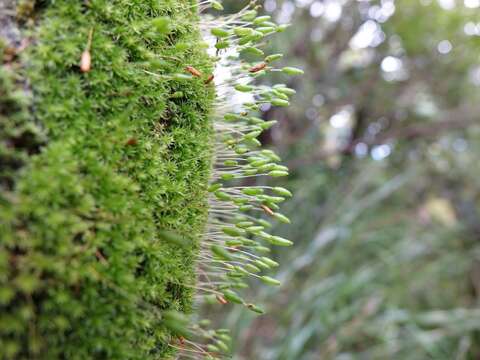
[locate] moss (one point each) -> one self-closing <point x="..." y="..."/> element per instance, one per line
<point x="84" y="271"/>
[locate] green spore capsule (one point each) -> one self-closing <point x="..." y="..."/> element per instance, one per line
<point x="233" y="243"/>
<point x="220" y="33"/>
<point x="220" y="45"/>
<point x="269" y="281"/>
<point x="253" y="134"/>
<point x="279" y="241"/>
<point x="283" y="27"/>
<point x="240" y="150"/>
<point x="281" y="167"/>
<point x="278" y="173"/>
<point x="230" y="163"/>
<point x="255" y="229"/>
<point x="292" y="71"/>
<point x="266" y="29"/>
<point x="251" y="50"/>
<point x="239" y="285"/>
<point x="217" y="5"/>
<point x="269" y="261"/>
<point x="235" y="275"/>
<point x="273" y="57"/>
<point x="280" y="102"/>
<point x="221" y="195"/>
<point x="282" y="191"/>
<point x="224" y="337"/>
<point x="244" y="88"/>
<point x="249" y="15"/>
<point x="252" y="191"/>
<point x="249" y="242"/>
<point x="232" y="231"/>
<point x="214" y="187"/>
<point x="232" y="297"/>
<point x="244" y="224"/>
<point x="243" y="31"/>
<point x="212" y="348"/>
<point x="271" y="155"/>
<point x="268" y="124"/>
<point x="227" y="177"/>
<point x="222" y="345"/>
<point x="261" y="19"/>
<point x="255" y="309"/>
<point x="264" y="223"/>
<point x="221" y="253"/>
<point x="262" y="249"/>
<point x="261" y="265"/>
<point x="252" y="268"/>
<point x="245" y="208"/>
<point x="250" y="172"/>
<point x="279" y="95"/>
<point x="287" y="91"/>
<point x="253" y="142"/>
<point x="231" y="117"/>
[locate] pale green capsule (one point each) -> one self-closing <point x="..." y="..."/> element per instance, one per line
<point x="218" y="32"/>
<point x="250" y="15"/>
<point x="268" y="124"/>
<point x="253" y="134"/>
<point x="232" y="231"/>
<point x="287" y="91"/>
<point x="253" y="51"/>
<point x="232" y="296"/>
<point x="280" y="102"/>
<point x="217" y="5"/>
<point x="292" y="71"/>
<point x="214" y="187"/>
<point x="222" y="196"/>
<point x="281" y="167"/>
<point x="252" y="191"/>
<point x="283" y="27"/>
<point x="278" y="173"/>
<point x="220" y="45"/>
<point x="250" y="172"/>
<point x="282" y="218"/>
<point x="282" y="191"/>
<point x="244" y="224"/>
<point x="255" y="229"/>
<point x="221" y="253"/>
<point x="242" y="31"/>
<point x="279" y="241"/>
<point x="269" y="281"/>
<point x="264" y="223"/>
<point x="273" y="57"/>
<point x="266" y="29"/>
<point x="255" y="308"/>
<point x="230" y="163"/>
<point x="262" y="249"/>
<point x="227" y="177"/>
<point x="269" y="261"/>
<point x="261" y="19"/>
<point x="244" y="88"/>
<point x="252" y="268"/>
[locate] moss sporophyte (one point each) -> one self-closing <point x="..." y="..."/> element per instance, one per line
<point x="123" y="202"/>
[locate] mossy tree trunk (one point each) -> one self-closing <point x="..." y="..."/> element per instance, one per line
<point x="94" y="166"/>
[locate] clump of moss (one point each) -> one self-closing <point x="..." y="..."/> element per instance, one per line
<point x="85" y="269"/>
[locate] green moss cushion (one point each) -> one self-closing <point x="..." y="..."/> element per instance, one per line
<point x="119" y="154"/>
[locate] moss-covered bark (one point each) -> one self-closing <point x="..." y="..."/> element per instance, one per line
<point x="94" y="167"/>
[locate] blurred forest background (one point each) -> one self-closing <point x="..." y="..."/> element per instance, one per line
<point x="383" y="144"/>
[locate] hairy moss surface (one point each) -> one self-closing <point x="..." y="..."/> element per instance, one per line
<point x="103" y="163"/>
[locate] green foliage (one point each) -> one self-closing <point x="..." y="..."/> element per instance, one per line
<point x="86" y="270"/>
